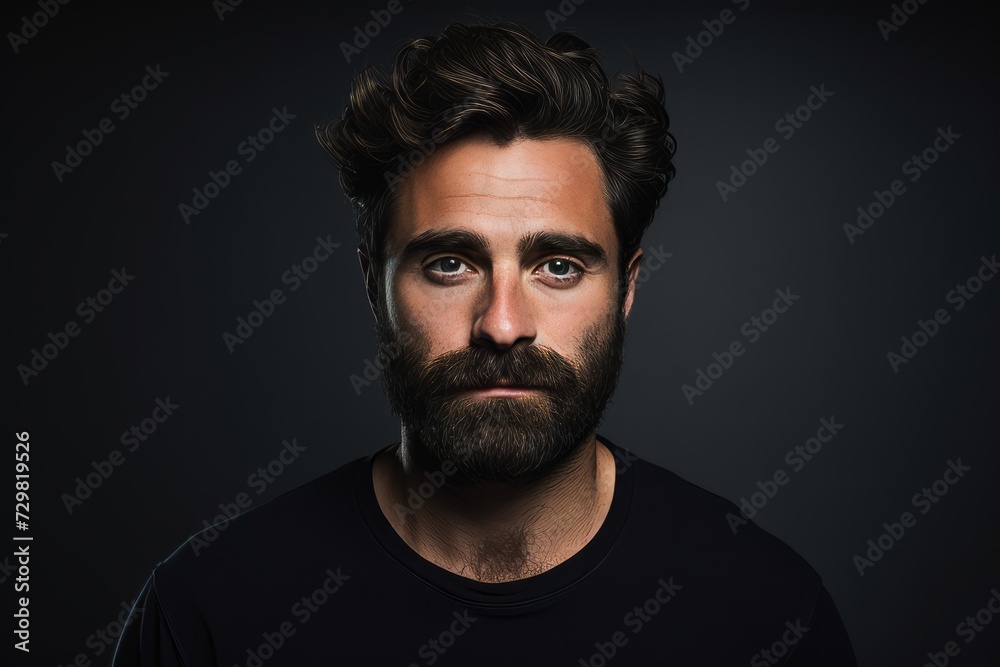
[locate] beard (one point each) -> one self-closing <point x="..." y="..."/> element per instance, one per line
<point x="508" y="439"/>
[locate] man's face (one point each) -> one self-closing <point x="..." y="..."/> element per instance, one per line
<point x="500" y="308"/>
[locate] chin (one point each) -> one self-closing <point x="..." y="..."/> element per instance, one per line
<point x="506" y="445"/>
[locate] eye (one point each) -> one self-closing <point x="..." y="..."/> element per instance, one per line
<point x="447" y="264"/>
<point x="444" y="269"/>
<point x="563" y="271"/>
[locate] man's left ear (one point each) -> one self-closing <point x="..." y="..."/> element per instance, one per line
<point x="631" y="275"/>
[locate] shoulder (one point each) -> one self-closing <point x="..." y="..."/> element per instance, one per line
<point x="253" y="540"/>
<point x="245" y="567"/>
<point x="714" y="521"/>
<point x="706" y="536"/>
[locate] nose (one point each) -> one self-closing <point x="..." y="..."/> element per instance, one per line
<point x="505" y="317"/>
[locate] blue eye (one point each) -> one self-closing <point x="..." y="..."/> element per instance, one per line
<point x="447" y="264"/>
<point x="447" y="269"/>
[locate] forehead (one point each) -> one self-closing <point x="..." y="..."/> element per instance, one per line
<point x="505" y="192"/>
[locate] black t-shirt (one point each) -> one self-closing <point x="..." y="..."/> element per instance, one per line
<point x="318" y="576"/>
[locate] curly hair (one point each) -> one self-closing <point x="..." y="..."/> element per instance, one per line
<point x="500" y="81"/>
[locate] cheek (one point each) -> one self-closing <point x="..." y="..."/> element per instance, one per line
<point x="565" y="331"/>
<point x="440" y="319"/>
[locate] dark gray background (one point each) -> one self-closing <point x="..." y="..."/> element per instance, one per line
<point x="162" y="336"/>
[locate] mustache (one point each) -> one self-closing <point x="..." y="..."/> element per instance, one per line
<point x="478" y="368"/>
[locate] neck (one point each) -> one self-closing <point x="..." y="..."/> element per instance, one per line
<point x="496" y="532"/>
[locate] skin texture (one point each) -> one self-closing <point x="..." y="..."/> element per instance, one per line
<point x="498" y="299"/>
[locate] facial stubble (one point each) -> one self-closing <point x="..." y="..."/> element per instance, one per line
<point x="509" y="439"/>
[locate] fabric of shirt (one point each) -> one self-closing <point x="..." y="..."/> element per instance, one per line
<point x="318" y="576"/>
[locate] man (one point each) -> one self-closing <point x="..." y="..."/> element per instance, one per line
<point x="502" y="190"/>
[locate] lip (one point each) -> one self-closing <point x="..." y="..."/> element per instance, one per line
<point x="503" y="390"/>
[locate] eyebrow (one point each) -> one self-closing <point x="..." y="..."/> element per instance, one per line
<point x="555" y="242"/>
<point x="460" y="240"/>
<point x="457" y="240"/>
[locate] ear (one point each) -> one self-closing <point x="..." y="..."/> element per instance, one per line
<point x="371" y="282"/>
<point x="631" y="274"/>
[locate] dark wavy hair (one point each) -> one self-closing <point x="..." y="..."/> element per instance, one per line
<point x="500" y="81"/>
